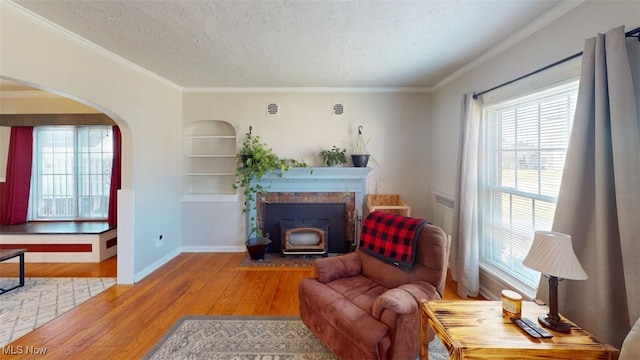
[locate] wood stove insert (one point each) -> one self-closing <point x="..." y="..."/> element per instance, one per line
<point x="304" y="237"/>
<point x="334" y="214"/>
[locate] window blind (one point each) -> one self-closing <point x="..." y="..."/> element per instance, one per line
<point x="526" y="144"/>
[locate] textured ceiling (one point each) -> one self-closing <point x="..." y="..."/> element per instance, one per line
<point x="295" y="43"/>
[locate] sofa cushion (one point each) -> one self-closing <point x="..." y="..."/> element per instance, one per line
<point x="359" y="290"/>
<point x="343" y="315"/>
<point x="332" y="268"/>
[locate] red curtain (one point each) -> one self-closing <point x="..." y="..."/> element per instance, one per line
<point x="14" y="198"/>
<point x="112" y="216"/>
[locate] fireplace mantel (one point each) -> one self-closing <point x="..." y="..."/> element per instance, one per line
<point x="319" y="179"/>
<point x="335" y="178"/>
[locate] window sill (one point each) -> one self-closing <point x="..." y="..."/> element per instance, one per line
<point x="493" y="281"/>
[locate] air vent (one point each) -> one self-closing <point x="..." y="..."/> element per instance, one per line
<point x="272" y="109"/>
<point x="338" y="109"/>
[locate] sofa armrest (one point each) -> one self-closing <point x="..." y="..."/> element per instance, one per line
<point x="398" y="309"/>
<point x="332" y="268"/>
<point x="421" y="290"/>
<point x="397" y="300"/>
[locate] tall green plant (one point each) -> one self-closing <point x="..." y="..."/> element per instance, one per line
<point x="254" y="160"/>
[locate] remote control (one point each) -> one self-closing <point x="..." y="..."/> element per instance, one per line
<point x="532" y="331"/>
<point x="522" y="325"/>
<point x="543" y="333"/>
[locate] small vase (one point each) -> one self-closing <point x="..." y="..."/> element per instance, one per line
<point x="360" y="160"/>
<point x="257" y="247"/>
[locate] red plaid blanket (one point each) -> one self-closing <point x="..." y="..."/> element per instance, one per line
<point x="391" y="238"/>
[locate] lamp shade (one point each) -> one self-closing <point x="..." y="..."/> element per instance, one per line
<point x="552" y="254"/>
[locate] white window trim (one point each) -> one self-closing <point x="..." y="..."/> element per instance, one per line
<point x="493" y="279"/>
<point x="32" y="209"/>
<point x="566" y="72"/>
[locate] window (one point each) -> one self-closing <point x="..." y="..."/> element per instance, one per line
<point x="526" y="144"/>
<point x="71" y="172"/>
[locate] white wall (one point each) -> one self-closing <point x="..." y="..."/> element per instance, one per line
<point x="147" y="109"/>
<point x="560" y="39"/>
<point x="396" y="124"/>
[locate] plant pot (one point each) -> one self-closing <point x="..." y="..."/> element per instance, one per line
<point x="245" y="158"/>
<point x="257" y="247"/>
<point x="360" y="160"/>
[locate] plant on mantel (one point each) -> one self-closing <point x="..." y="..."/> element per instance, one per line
<point x="359" y="154"/>
<point x="334" y="156"/>
<point x="255" y="160"/>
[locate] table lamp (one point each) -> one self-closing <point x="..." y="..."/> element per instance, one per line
<point x="552" y="254"/>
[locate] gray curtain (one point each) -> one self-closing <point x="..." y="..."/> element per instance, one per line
<point x="599" y="200"/>
<point x="464" y="260"/>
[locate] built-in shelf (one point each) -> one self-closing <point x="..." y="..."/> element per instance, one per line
<point x="209" y="161"/>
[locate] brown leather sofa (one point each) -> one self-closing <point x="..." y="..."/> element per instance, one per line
<point x="363" y="308"/>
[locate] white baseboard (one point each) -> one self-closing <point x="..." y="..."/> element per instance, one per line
<point x="156" y="265"/>
<point x="219" y="249"/>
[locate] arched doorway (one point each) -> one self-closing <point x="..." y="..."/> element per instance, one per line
<point x="19" y="97"/>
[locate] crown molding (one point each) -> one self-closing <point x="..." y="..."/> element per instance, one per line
<point x="306" y="90"/>
<point x="64" y="33"/>
<point x="539" y="23"/>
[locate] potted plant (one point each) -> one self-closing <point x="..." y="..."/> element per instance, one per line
<point x="254" y="160"/>
<point x="334" y="156"/>
<point x="359" y="154"/>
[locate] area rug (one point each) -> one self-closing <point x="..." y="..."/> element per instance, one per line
<point x="41" y="300"/>
<point x="279" y="262"/>
<point x="248" y="337"/>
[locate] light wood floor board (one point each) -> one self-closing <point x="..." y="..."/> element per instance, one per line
<point x="125" y="321"/>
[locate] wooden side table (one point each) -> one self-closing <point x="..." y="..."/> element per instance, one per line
<point x="475" y="329"/>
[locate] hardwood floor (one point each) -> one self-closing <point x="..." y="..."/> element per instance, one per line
<point x="107" y="268"/>
<point x="124" y="321"/>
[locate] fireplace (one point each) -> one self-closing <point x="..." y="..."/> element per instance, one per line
<point x="345" y="186"/>
<point x="315" y="228"/>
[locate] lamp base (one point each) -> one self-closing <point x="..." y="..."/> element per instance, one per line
<point x="555" y="325"/>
